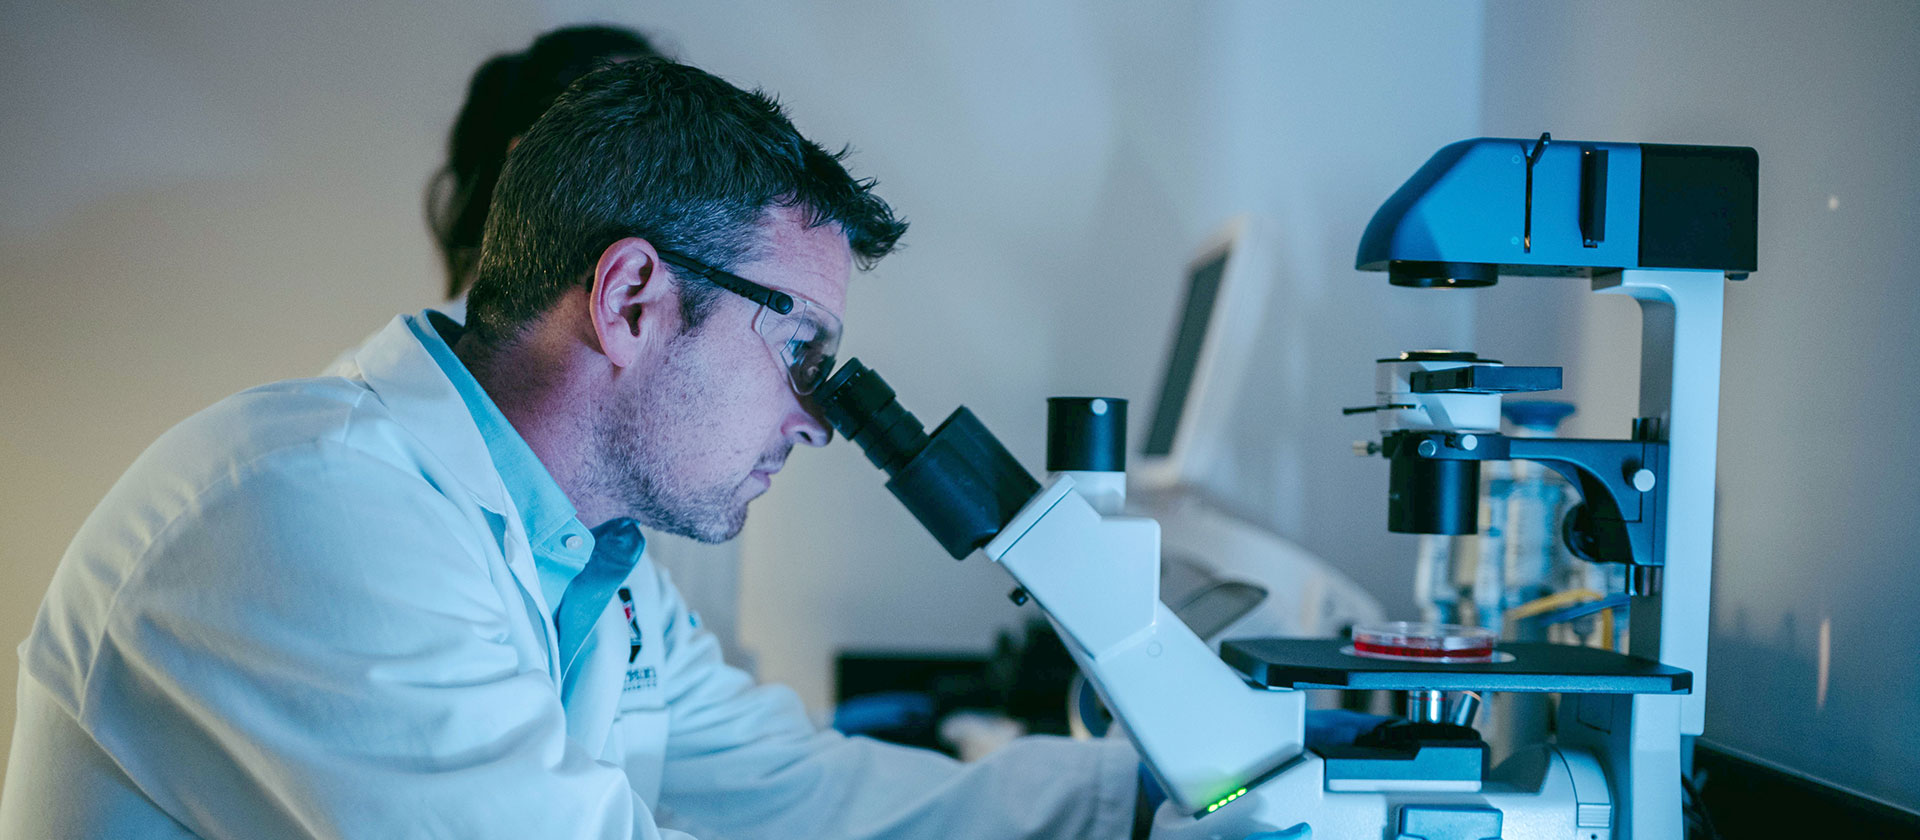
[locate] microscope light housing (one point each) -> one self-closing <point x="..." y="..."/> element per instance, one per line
<point x="1488" y="207"/>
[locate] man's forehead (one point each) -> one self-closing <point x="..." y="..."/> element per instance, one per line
<point x="814" y="262"/>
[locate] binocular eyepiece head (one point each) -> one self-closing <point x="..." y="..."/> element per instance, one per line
<point x="862" y="408"/>
<point x="959" y="481"/>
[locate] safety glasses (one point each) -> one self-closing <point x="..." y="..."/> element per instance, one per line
<point x="802" y="334"/>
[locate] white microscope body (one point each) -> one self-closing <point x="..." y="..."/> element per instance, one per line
<point x="1231" y="756"/>
<point x="1227" y="742"/>
<point x="1231" y="753"/>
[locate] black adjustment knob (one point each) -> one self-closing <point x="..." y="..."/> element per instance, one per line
<point x="1018" y="596"/>
<point x="1086" y="434"/>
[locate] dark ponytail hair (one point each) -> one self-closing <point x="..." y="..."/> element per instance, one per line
<point x="506" y="95"/>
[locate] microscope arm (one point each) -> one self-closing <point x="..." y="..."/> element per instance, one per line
<point x="1204" y="732"/>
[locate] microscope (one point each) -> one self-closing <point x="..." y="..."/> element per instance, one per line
<point x="1224" y="734"/>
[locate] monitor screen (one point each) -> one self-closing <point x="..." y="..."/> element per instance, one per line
<point x="1183" y="361"/>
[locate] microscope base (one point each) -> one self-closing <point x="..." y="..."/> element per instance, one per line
<point x="1542" y="792"/>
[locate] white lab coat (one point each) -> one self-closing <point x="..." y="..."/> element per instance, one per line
<point x="311" y="611"/>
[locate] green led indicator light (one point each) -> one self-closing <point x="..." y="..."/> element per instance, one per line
<point x="1229" y="798"/>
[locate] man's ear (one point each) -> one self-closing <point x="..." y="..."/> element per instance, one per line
<point x="632" y="307"/>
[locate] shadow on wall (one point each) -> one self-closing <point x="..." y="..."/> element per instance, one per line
<point x="1796" y="656"/>
<point x="1790" y="654"/>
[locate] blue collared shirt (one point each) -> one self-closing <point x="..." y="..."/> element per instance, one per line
<point x="562" y="545"/>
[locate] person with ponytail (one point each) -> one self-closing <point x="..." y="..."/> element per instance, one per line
<point x="507" y="93"/>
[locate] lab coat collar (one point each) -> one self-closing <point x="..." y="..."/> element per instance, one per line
<point x="544" y="508"/>
<point x="422" y="399"/>
<point x="561" y="545"/>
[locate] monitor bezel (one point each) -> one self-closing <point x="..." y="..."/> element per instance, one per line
<point x="1233" y="327"/>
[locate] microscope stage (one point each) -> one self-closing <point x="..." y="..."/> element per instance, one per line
<point x="1534" y="667"/>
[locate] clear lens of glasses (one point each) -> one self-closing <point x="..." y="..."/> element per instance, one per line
<point x="806" y="340"/>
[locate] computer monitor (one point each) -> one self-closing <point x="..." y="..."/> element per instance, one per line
<point x="1215" y="335"/>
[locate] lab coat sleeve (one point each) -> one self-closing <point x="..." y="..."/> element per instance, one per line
<point x="316" y="650"/>
<point x="743" y="762"/>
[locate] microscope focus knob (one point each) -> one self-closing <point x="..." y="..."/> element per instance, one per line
<point x="1642" y="479"/>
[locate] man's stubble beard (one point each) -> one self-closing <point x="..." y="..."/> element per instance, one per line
<point x="632" y="466"/>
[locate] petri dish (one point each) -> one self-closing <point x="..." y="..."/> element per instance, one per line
<point x="1419" y="641"/>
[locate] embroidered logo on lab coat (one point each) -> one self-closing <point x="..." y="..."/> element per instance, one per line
<point x="633" y="625"/>
<point x="638" y="677"/>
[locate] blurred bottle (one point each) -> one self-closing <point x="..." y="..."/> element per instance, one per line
<point x="1491" y="581"/>
<point x="1528" y="499"/>
<point x="1433" y="587"/>
<point x="1535" y="562"/>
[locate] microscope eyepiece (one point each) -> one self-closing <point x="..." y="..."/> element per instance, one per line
<point x="1086" y="433"/>
<point x="861" y="407"/>
<point x="960" y="482"/>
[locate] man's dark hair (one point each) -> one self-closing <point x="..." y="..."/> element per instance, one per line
<point x="667" y="153"/>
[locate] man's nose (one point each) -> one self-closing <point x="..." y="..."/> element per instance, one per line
<point x="806" y="425"/>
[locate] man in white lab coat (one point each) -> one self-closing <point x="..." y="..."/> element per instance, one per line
<point x="411" y="602"/>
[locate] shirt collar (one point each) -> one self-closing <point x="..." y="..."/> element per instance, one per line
<point x="560" y="543"/>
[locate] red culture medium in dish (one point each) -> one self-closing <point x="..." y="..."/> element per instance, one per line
<point x="1423" y="642"/>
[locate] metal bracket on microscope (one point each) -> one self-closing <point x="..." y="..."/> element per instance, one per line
<point x="1621" y="484"/>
